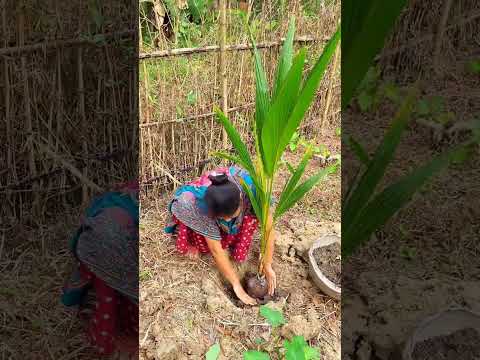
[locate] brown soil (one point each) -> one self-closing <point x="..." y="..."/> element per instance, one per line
<point x="463" y="344"/>
<point x="329" y="262"/>
<point x="186" y="306"/>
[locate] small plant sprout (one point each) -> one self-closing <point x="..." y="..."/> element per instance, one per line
<point x="295" y="349"/>
<point x="278" y="114"/>
<point x="213" y="353"/>
<point x="474" y="67"/>
<point x="273" y="317"/>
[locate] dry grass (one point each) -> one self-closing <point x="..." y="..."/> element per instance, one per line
<point x="174" y="309"/>
<point x="30" y="295"/>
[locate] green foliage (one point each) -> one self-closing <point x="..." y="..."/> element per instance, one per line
<point x="145" y="275"/>
<point x="197" y="8"/>
<point x="278" y="114"/>
<point x="259" y="341"/>
<point x="368" y="90"/>
<point x="255" y="355"/>
<point x="213" y="352"/>
<point x="295" y="349"/>
<point x="371" y="91"/>
<point x="408" y="253"/>
<point x="96" y="14"/>
<point x="294" y="141"/>
<point x="363" y="211"/>
<point x="192" y="97"/>
<point x="433" y="108"/>
<point x="474" y="67"/>
<point x="274" y="317"/>
<point x="298" y="349"/>
<point x="358" y="150"/>
<point x="366" y="25"/>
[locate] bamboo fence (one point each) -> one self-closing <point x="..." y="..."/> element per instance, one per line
<point x="430" y="34"/>
<point x="177" y="136"/>
<point x="68" y="105"/>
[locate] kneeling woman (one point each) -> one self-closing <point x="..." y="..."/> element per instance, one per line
<point x="213" y="215"/>
<point x="106" y="249"/>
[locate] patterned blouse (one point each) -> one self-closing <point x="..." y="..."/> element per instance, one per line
<point x="189" y="207"/>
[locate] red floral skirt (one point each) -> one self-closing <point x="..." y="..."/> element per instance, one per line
<point x="239" y="244"/>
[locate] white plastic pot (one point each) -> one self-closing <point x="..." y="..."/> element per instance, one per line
<point x="441" y="324"/>
<point x="324" y="284"/>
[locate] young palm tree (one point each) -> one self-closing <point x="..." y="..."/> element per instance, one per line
<point x="278" y="114"/>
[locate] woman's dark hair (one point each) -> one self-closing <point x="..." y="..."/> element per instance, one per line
<point x="222" y="197"/>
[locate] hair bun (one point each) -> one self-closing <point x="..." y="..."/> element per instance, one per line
<point x="219" y="179"/>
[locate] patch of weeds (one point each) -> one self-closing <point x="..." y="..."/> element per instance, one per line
<point x="296" y="348"/>
<point x="192" y="97"/>
<point x="145" y="275"/>
<point x="274" y="317"/>
<point x="408" y="253"/>
<point x="213" y="353"/>
<point x="433" y="108"/>
<point x="474" y="67"/>
<point x="368" y="96"/>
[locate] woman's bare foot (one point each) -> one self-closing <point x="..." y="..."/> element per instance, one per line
<point x="193" y="253"/>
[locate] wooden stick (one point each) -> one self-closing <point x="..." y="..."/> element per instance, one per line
<point x="330" y="90"/>
<point x="170" y="176"/>
<point x="22" y="49"/>
<point x="28" y="111"/>
<point x="447" y="4"/>
<point x="75" y="172"/>
<point x="429" y="37"/>
<point x="216" y="48"/>
<point x="195" y="117"/>
<point x="83" y="117"/>
<point x="222" y="68"/>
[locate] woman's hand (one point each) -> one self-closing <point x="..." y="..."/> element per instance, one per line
<point x="243" y="296"/>
<point x="271" y="278"/>
<point x="225" y="266"/>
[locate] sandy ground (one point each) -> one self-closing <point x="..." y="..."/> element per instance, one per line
<point x="185" y="308"/>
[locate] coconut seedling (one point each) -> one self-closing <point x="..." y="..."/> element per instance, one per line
<point x="278" y="114"/>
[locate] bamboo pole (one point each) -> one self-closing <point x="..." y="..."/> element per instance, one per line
<point x="22" y="48"/>
<point x="28" y="111"/>
<point x="429" y="37"/>
<point x="83" y="118"/>
<point x="232" y="47"/>
<point x="73" y="170"/>
<point x="330" y="90"/>
<point x="195" y="117"/>
<point x="7" y="86"/>
<point x="222" y="68"/>
<point x="447" y="4"/>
